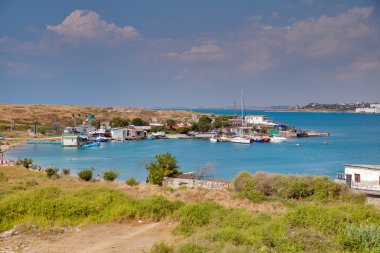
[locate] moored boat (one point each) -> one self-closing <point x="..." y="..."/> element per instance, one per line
<point x="241" y="140"/>
<point x="214" y="139"/>
<point x="277" y="139"/>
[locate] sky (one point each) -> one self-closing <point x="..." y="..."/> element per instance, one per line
<point x="198" y="53"/>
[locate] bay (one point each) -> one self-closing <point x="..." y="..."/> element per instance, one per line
<point x="354" y="139"/>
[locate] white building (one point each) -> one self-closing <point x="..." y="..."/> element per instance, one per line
<point x="362" y="177"/>
<point x="257" y="120"/>
<point x="117" y="133"/>
<point x="367" y="110"/>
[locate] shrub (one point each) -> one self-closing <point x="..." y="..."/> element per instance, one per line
<point x="3" y="178"/>
<point x="361" y="238"/>
<point x="66" y="171"/>
<point x="31" y="183"/>
<point x="132" y="182"/>
<point x="26" y="162"/>
<point x="191" y="248"/>
<point x="50" y="172"/>
<point x="195" y="215"/>
<point x="110" y="175"/>
<point x="85" y="175"/>
<point x="161" y="247"/>
<point x="292" y="187"/>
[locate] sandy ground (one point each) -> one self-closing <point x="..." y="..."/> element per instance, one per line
<point x="110" y="237"/>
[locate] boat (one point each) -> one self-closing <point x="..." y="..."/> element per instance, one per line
<point x="150" y="138"/>
<point x="277" y="139"/>
<point x="101" y="139"/>
<point x="241" y="140"/>
<point x="91" y="144"/>
<point x="158" y="135"/>
<point x="214" y="139"/>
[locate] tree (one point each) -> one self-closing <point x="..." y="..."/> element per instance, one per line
<point x="95" y="123"/>
<point x="204" y="123"/>
<point x="137" y="122"/>
<point x="183" y="130"/>
<point x="170" y="123"/>
<point x="221" y="121"/>
<point x="164" y="166"/>
<point x="118" y="122"/>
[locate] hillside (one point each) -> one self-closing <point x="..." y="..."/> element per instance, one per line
<point x="62" y="115"/>
<point x="264" y="213"/>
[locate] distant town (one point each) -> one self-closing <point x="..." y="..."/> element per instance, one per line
<point x="358" y="107"/>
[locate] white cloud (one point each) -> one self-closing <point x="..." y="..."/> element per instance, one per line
<point x="264" y="47"/>
<point x="87" y="25"/>
<point x="205" y="52"/>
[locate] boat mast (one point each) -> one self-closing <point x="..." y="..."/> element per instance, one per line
<point x="242" y="109"/>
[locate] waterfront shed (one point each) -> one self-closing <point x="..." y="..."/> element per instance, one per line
<point x="362" y="176"/>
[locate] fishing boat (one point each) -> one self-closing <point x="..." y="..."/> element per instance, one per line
<point x="277" y="139"/>
<point x="91" y="144"/>
<point x="241" y="140"/>
<point x="101" y="139"/>
<point x="214" y="139"/>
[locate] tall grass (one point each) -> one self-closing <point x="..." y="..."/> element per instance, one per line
<point x="53" y="206"/>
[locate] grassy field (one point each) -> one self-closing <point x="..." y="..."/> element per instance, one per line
<point x="316" y="214"/>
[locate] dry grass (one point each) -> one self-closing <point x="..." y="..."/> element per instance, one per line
<point x="223" y="197"/>
<point x="62" y="114"/>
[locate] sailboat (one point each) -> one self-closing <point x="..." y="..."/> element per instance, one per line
<point x="240" y="139"/>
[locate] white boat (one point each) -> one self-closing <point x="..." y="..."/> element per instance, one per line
<point x="159" y="134"/>
<point x="277" y="139"/>
<point x="241" y="140"/>
<point x="214" y="139"/>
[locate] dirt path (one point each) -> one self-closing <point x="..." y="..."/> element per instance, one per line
<point x="110" y="237"/>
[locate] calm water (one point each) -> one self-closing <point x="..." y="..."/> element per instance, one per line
<point x="355" y="139"/>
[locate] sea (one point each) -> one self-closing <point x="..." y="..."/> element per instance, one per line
<point x="355" y="139"/>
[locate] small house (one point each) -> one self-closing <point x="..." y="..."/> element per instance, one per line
<point x="257" y="119"/>
<point x="361" y="177"/>
<point x="132" y="133"/>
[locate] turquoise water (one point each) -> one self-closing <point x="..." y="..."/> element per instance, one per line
<point x="355" y="139"/>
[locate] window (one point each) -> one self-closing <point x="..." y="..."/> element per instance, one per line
<point x="357" y="178"/>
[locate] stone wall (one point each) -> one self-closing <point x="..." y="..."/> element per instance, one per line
<point x="208" y="184"/>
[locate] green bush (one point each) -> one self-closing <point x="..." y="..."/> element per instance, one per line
<point x="26" y="162"/>
<point x="52" y="172"/>
<point x="110" y="175"/>
<point x="31" y="183"/>
<point x="195" y="215"/>
<point x="85" y="175"/>
<point x="191" y="248"/>
<point x="362" y="238"/>
<point x="3" y="178"/>
<point x="131" y="182"/>
<point x="257" y="186"/>
<point x="161" y="247"/>
<point x="66" y="171"/>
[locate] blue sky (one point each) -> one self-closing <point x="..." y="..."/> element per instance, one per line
<point x="189" y="53"/>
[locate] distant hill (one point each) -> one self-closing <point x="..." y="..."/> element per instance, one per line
<point x="62" y="115"/>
